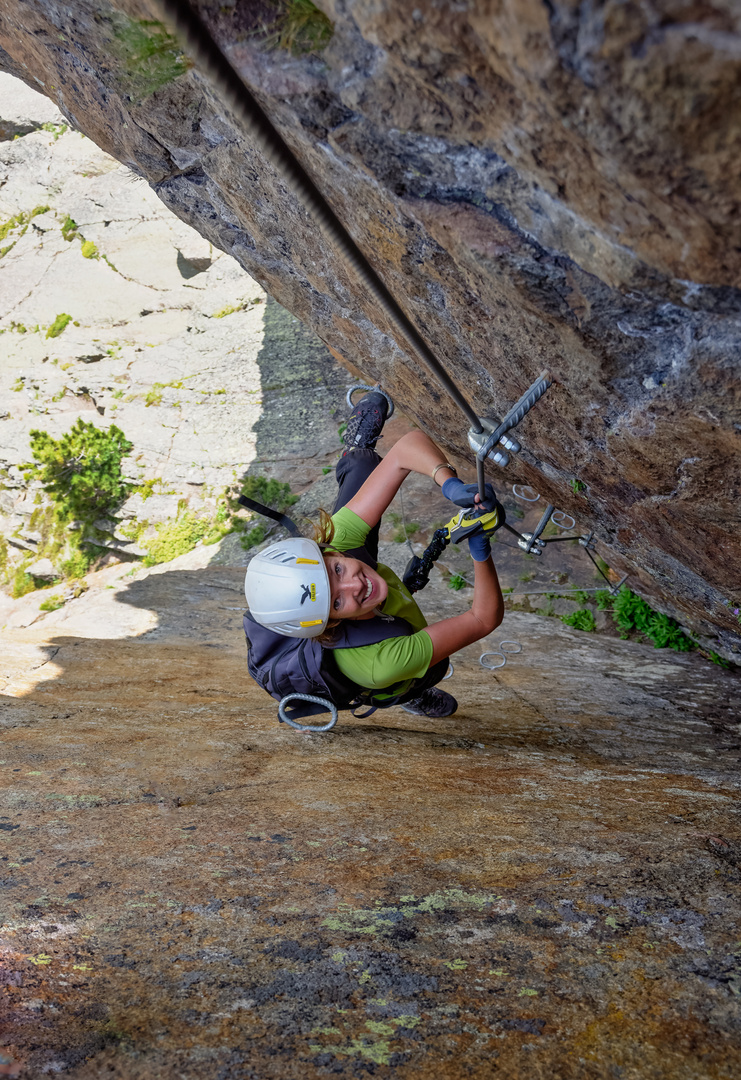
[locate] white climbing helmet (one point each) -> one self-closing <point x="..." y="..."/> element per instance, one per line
<point x="287" y="588"/>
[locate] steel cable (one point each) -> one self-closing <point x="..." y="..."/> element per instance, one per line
<point x="210" y="61"/>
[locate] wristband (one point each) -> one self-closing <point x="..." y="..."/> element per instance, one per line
<point x="442" y="465"/>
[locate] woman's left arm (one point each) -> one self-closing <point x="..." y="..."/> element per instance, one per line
<point x="414" y="452"/>
<point x="484" y="616"/>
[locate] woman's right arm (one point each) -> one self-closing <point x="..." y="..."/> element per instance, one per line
<point x="414" y="452"/>
<point x="484" y="616"/>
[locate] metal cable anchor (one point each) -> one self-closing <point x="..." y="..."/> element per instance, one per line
<point x="484" y="443"/>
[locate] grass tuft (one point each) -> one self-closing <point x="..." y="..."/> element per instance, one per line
<point x="300" y="28"/>
<point x="59" y="325"/>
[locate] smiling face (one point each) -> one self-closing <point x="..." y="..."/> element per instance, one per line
<point x="355" y="589"/>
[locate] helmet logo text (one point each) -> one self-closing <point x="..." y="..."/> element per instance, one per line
<point x="308" y="593"/>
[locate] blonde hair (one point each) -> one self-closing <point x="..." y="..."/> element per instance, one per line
<point x="323" y="536"/>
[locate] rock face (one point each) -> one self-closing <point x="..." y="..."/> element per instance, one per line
<point x="538" y="184"/>
<point x="545" y="884"/>
<point x="167" y="337"/>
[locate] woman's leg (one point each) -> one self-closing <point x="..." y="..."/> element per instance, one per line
<point x="363" y="430"/>
<point x="353" y="469"/>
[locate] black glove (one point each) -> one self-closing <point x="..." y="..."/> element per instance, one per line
<point x="465" y="494"/>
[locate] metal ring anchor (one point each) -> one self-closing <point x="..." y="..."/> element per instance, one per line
<point x="282" y="718"/>
<point x="449" y="674"/>
<point x="517" y="647"/>
<point x="506" y="647"/>
<point x="559" y="518"/>
<point x="377" y="389"/>
<point x="525" y="492"/>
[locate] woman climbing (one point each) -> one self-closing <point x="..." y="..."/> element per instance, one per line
<point x="332" y="590"/>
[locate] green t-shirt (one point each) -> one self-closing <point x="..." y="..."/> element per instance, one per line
<point x="396" y="659"/>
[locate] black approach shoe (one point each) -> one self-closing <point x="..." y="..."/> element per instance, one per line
<point x="366" y="422"/>
<point x="433" y="702"/>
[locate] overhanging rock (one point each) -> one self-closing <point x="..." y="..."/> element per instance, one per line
<point x="539" y="186"/>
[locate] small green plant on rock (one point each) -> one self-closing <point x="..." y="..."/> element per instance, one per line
<point x="176" y="537"/>
<point x="300" y="27"/>
<point x="457" y="582"/>
<point x="20" y="221"/>
<point x="228" y="310"/>
<point x="577" y="486"/>
<point x="631" y="612"/>
<point x="273" y="493"/>
<point x="55" y="130"/>
<point x="22" y="583"/>
<point x="583" y="619"/>
<point x="69" y="228"/>
<point x="59" y="325"/>
<point x="89" y="250"/>
<point x="150" y="56"/>
<point x="52" y="604"/>
<point x="78" y="563"/>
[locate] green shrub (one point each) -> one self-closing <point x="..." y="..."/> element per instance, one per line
<point x="77" y="565"/>
<point x="583" y="619"/>
<point x="52" y="604"/>
<point x="603" y="599"/>
<point x="457" y="582"/>
<point x="270" y="493"/>
<point x="221" y="525"/>
<point x="81" y="471"/>
<point x="175" y="538"/>
<point x="22" y="583"/>
<point x="631" y="612"/>
<point x="59" y="325"/>
<point x="253" y="537"/>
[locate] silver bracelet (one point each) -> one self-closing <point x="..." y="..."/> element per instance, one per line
<point x="442" y="465"/>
